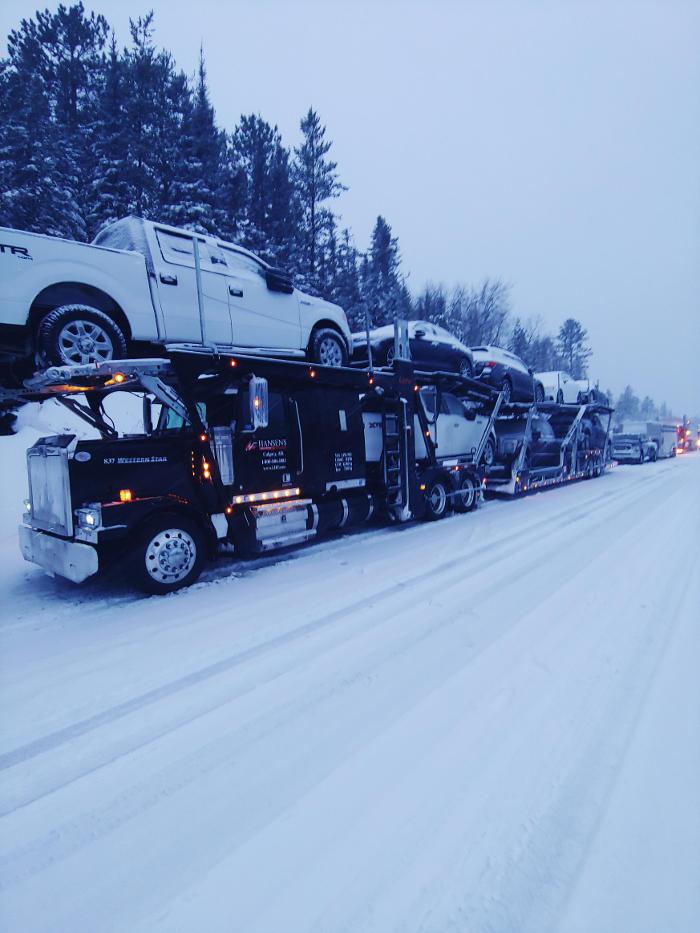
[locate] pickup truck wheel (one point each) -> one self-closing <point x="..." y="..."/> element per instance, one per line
<point x="539" y="393"/>
<point x="507" y="390"/>
<point x="436" y="499"/>
<point x="327" y="347"/>
<point x="560" y="397"/>
<point x="169" y="554"/>
<point x="75" y="334"/>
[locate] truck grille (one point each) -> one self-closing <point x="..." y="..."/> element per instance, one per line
<point x="49" y="489"/>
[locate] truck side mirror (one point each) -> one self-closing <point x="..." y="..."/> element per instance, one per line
<point x="257" y="396"/>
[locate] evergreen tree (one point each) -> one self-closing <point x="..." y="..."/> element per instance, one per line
<point x="573" y="348"/>
<point x="109" y="197"/>
<point x="53" y="71"/>
<point x="627" y="408"/>
<point x="153" y="113"/>
<point x="316" y="181"/>
<point x="194" y="197"/>
<point x="268" y="221"/>
<point x="346" y="289"/>
<point x="647" y="408"/>
<point x="382" y="283"/>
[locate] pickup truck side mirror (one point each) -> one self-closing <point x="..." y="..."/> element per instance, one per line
<point x="419" y="333"/>
<point x="279" y="281"/>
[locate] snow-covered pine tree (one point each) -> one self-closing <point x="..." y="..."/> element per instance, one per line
<point x="49" y="88"/>
<point x="195" y="196"/>
<point x="382" y="286"/>
<point x="346" y="289"/>
<point x="153" y="103"/>
<point x="268" y="224"/>
<point x="109" y="190"/>
<point x="316" y="181"/>
<point x="573" y="348"/>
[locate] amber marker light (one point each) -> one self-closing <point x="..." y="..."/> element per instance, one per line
<point x="312" y="373"/>
<point x="233" y="363"/>
<point x="202" y="437"/>
<point x="119" y="377"/>
<point x="125" y="495"/>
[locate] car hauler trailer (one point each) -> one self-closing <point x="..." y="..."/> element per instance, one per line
<point x="548" y="444"/>
<point x="244" y="451"/>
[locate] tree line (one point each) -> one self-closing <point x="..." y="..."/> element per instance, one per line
<point x="91" y="132"/>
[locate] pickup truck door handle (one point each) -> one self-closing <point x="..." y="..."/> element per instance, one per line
<point x="168" y="279"/>
<point x="235" y="292"/>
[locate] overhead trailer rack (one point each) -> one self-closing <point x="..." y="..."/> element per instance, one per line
<point x="577" y="446"/>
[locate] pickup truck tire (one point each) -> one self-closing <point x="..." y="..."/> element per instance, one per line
<point x="327" y="347"/>
<point x="168" y="554"/>
<point x="75" y="334"/>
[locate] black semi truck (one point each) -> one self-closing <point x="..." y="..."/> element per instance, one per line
<point x="243" y="451"/>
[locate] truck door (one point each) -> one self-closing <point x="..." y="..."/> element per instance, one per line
<point x="177" y="289"/>
<point x="260" y="316"/>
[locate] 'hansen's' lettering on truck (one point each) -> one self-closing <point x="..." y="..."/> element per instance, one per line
<point x="267" y="445"/>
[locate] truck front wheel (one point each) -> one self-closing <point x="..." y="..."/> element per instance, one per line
<point x="75" y="334"/>
<point x="168" y="555"/>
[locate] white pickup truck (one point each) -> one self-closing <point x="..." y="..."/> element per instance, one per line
<point x="63" y="302"/>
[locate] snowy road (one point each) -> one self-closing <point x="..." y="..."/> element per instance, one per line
<point x="487" y="724"/>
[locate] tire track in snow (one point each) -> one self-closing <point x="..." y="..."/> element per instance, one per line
<point x="129" y="804"/>
<point x="502" y="548"/>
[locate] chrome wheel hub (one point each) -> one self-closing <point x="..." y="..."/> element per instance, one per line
<point x="467" y="493"/>
<point x="84" y="342"/>
<point x="329" y="352"/>
<point x="438" y="499"/>
<point x="170" y="555"/>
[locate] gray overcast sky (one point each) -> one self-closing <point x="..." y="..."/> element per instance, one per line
<point x="554" y="145"/>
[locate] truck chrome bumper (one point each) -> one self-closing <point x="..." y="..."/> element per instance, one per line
<point x="68" y="559"/>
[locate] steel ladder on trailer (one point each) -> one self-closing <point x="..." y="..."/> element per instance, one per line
<point x="395" y="455"/>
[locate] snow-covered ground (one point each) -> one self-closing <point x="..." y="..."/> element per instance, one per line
<point x="491" y="723"/>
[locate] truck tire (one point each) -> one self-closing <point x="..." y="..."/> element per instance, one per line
<point x="437" y="499"/>
<point x="168" y="554"/>
<point x="466" y="496"/>
<point x="75" y="334"/>
<point x="327" y="347"/>
<point x="507" y="390"/>
<point x="539" y="393"/>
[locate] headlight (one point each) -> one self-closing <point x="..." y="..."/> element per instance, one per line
<point x="90" y="517"/>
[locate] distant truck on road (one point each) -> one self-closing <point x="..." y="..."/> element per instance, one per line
<point x="637" y="441"/>
<point x="68" y="303"/>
